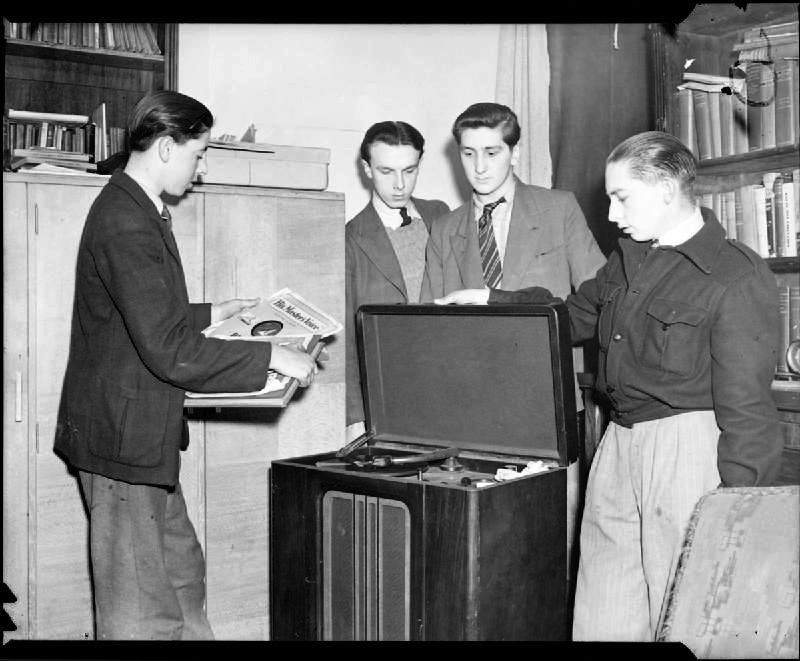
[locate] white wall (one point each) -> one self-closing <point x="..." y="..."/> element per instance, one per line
<point x="324" y="85"/>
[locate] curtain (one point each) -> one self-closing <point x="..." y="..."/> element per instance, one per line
<point x="600" y="94"/>
<point x="523" y="80"/>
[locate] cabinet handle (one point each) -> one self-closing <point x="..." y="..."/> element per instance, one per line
<point x="18" y="397"/>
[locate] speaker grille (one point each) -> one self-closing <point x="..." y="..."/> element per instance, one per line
<point x="366" y="567"/>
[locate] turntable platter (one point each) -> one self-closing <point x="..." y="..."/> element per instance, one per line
<point x="388" y="464"/>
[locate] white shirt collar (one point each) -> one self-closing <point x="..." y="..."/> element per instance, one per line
<point x="155" y="199"/>
<point x="391" y="217"/>
<point x="675" y="236"/>
<point x="508" y="191"/>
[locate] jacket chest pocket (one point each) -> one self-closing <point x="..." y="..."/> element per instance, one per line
<point x="674" y="337"/>
<point x="608" y="305"/>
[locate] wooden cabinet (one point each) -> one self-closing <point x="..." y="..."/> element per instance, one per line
<point x="234" y="242"/>
<point x="57" y="77"/>
<point x="707" y="40"/>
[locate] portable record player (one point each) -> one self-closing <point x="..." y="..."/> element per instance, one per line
<point x="446" y="520"/>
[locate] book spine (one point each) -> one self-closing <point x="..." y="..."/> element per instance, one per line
<point x="794" y="312"/>
<point x="754" y="109"/>
<point x="778" y="212"/>
<point x="769" y="198"/>
<point x="768" y="109"/>
<point x="702" y="117"/>
<point x="687" y="132"/>
<point x="785" y="327"/>
<point x="716" y="204"/>
<point x="716" y="123"/>
<point x="730" y="213"/>
<point x="747" y="233"/>
<point x="789" y="219"/>
<point x="739" y="213"/>
<point x="795" y="77"/>
<point x="784" y="102"/>
<point x="726" y="124"/>
<point x="760" y="219"/>
<point x="44" y="127"/>
<point x="796" y="188"/>
<point x="740" y="131"/>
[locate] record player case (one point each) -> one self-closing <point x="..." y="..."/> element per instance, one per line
<point x="398" y="540"/>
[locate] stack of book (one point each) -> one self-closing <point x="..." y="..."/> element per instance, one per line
<point x="754" y="108"/>
<point x="127" y="37"/>
<point x="764" y="216"/>
<point x="73" y="141"/>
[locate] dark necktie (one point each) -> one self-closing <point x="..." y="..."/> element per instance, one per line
<point x="404" y="215"/>
<point x="166" y="217"/>
<point x="490" y="257"/>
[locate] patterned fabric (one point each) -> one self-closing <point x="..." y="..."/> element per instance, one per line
<point x="409" y="246"/>
<point x="490" y="257"/>
<point x="735" y="592"/>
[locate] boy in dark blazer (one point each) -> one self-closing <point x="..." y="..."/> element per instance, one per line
<point x="385" y="242"/>
<point x="136" y="346"/>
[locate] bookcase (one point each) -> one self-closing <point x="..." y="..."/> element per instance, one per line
<point x="74" y="67"/>
<point x="710" y="41"/>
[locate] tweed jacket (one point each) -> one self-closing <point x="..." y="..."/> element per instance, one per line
<point x="136" y="346"/>
<point x="373" y="276"/>
<point x="549" y="244"/>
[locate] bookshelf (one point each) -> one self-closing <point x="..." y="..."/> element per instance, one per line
<point x="47" y="72"/>
<point x="712" y="41"/>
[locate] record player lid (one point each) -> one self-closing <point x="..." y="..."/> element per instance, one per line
<point x="487" y="378"/>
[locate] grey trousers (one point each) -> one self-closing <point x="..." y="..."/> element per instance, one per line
<point x="643" y="485"/>
<point x="148" y="569"/>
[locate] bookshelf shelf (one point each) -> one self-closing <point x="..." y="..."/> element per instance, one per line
<point x="786" y="394"/>
<point x="784" y="264"/>
<point x="764" y="160"/>
<point x="731" y="172"/>
<point x="51" y="77"/>
<point x="83" y="55"/>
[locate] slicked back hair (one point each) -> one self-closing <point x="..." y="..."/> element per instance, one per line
<point x="167" y="113"/>
<point x="654" y="156"/>
<point x="391" y="133"/>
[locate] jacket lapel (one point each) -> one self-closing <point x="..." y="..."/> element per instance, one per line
<point x="524" y="237"/>
<point x="466" y="251"/>
<point x="375" y="243"/>
<point x="135" y="191"/>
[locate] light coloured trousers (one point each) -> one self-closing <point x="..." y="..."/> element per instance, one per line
<point x="643" y="485"/>
<point x="148" y="569"/>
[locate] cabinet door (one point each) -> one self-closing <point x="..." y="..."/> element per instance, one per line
<point x="255" y="245"/>
<point x="60" y="586"/>
<point x="16" y="421"/>
<point x="187" y="225"/>
<point x="240" y="258"/>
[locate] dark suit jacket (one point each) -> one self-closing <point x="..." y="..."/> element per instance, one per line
<point x="136" y="346"/>
<point x="549" y="245"/>
<point x="373" y="276"/>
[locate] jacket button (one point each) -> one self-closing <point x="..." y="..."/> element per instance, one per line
<point x="617" y="337"/>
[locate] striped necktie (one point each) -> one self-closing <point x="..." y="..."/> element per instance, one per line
<point x="490" y="257"/>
